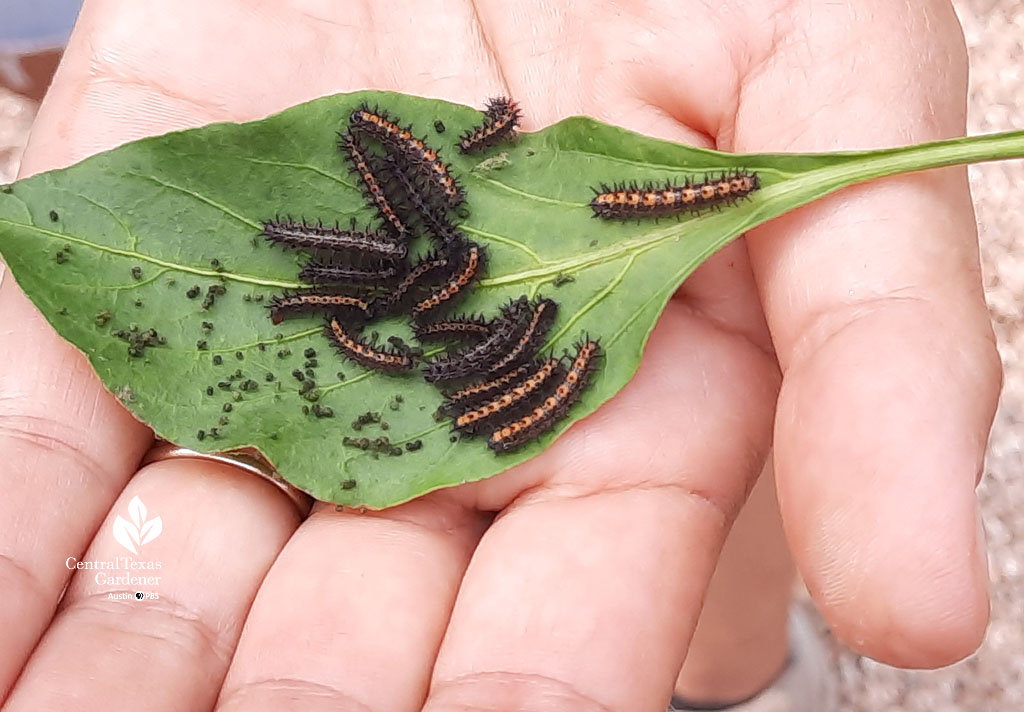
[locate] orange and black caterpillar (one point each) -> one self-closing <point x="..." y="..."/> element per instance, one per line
<point x="630" y="201"/>
<point x="473" y="362"/>
<point x="472" y="395"/>
<point x="542" y="418"/>
<point x="378" y="358"/>
<point x="400" y="141"/>
<point x="466" y="266"/>
<point x="461" y="328"/>
<point x="428" y="271"/>
<point x="431" y="215"/>
<point x="372" y="187"/>
<point x="346" y="306"/>
<point x="542" y="316"/>
<point x="333" y="239"/>
<point x="513" y="401"/>
<point x="515" y="337"/>
<point x="501" y="118"/>
<point x="340" y="272"/>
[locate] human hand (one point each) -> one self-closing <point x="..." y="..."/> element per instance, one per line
<point x="584" y="590"/>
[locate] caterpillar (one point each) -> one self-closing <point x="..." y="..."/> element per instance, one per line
<point x="433" y="217"/>
<point x="632" y="201"/>
<point x="520" y="325"/>
<point x="312" y="300"/>
<point x="326" y="238"/>
<point x="348" y="342"/>
<point x="422" y="273"/>
<point x="501" y="118"/>
<point x="469" y="267"/>
<point x="334" y="271"/>
<point x="372" y="188"/>
<point x="400" y="140"/>
<point x="542" y="317"/>
<point x="462" y="328"/>
<point x="541" y="419"/>
<point x="527" y="393"/>
<point x="476" y="393"/>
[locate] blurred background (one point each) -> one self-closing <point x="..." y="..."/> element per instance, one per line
<point x="32" y="33"/>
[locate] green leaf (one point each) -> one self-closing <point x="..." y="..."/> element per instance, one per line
<point x="138" y="226"/>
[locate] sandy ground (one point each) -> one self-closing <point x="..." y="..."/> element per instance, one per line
<point x="993" y="679"/>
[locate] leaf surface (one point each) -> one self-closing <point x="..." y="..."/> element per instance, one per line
<point x="140" y="226"/>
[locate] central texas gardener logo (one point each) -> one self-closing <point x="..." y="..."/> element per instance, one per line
<point x="133" y="534"/>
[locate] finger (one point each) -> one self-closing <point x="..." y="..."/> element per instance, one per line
<point x="220" y="530"/>
<point x="352" y="613"/>
<point x="584" y="592"/>
<point x="874" y="301"/>
<point x="131" y="70"/>
<point x="67" y="447"/>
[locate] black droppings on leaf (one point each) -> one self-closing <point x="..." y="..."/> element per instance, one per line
<point x="54" y="217"/>
<point x="136" y="273"/>
<point x="193" y="292"/>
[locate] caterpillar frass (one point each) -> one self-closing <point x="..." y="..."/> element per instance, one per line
<point x="426" y="272"/>
<point x="339" y="272"/>
<point x="541" y="419"/>
<point x="401" y="141"/>
<point x="348" y="342"/>
<point x="469" y="264"/>
<point x="633" y="201"/>
<point x="346" y="306"/>
<point x="458" y="328"/>
<point x="434" y="218"/>
<point x="501" y="118"/>
<point x="526" y="394"/>
<point x="332" y="239"/>
<point x="372" y="188"/>
<point x="472" y="395"/>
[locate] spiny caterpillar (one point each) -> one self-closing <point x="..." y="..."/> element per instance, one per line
<point x="333" y="239"/>
<point x="514" y="435"/>
<point x="526" y="393"/>
<point x="312" y="301"/>
<point x="511" y="333"/>
<point x="476" y="393"/>
<point x="433" y="217"/>
<point x="422" y="274"/>
<point x="400" y="140"/>
<point x="372" y="188"/>
<point x="348" y="343"/>
<point x="632" y="201"/>
<point x="334" y="271"/>
<point x="469" y="268"/>
<point x="501" y="118"/>
<point x="460" y="328"/>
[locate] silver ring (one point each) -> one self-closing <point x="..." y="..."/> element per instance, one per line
<point x="247" y="460"/>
